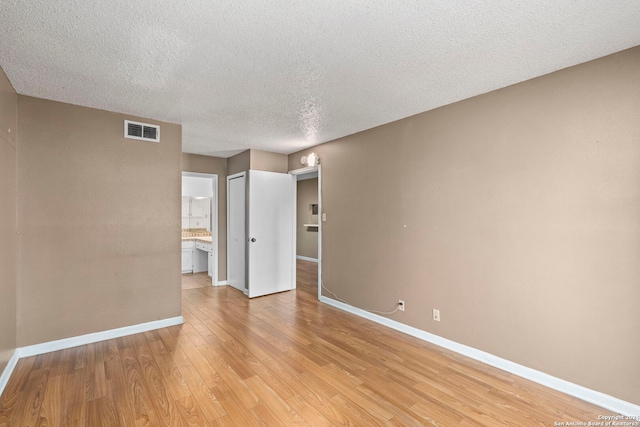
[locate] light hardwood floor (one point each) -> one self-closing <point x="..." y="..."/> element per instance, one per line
<point x="278" y="360"/>
<point x="195" y="280"/>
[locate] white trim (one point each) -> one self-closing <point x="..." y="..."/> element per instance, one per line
<point x="236" y="175"/>
<point x="8" y="370"/>
<point x="47" y="347"/>
<point x="294" y="231"/>
<point x="304" y="170"/>
<point x="221" y="283"/>
<point x="320" y="228"/>
<point x="595" y="397"/>
<point x="215" y="221"/>
<point x="306" y="258"/>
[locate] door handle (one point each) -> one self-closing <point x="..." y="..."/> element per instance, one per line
<point x="252" y="240"/>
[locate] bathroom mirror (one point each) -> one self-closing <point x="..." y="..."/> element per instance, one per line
<point x="196" y="213"/>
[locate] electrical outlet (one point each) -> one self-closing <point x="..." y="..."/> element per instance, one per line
<point x="436" y="315"/>
<point x="400" y="305"/>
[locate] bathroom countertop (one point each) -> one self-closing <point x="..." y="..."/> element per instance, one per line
<point x="202" y="239"/>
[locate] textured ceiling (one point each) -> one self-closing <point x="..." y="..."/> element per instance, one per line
<point x="287" y="74"/>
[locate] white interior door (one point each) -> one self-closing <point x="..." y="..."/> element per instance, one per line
<point x="271" y="232"/>
<point x="236" y="220"/>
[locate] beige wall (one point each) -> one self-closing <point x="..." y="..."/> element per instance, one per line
<point x="306" y="237"/>
<point x="99" y="218"/>
<point x="516" y="213"/>
<point x="270" y="162"/>
<point x="257" y="160"/>
<point x="8" y="235"/>
<point x="218" y="166"/>
<point x="239" y="163"/>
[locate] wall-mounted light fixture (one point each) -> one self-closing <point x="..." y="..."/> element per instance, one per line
<point x="311" y="160"/>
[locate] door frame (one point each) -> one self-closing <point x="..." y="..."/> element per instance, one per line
<point x="229" y="178"/>
<point x="214" y="219"/>
<point x="303" y="171"/>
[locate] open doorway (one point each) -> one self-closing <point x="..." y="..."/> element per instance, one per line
<point x="199" y="229"/>
<point x="308" y="241"/>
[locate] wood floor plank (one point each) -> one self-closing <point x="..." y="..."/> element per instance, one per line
<point x="436" y="415"/>
<point x="56" y="403"/>
<point x="275" y="380"/>
<point x="14" y="393"/>
<point x="165" y="407"/>
<point x="194" y="336"/>
<point x="96" y="382"/>
<point x="104" y="412"/>
<point x="266" y="416"/>
<point x="28" y="411"/>
<point x="168" y="339"/>
<point x="278" y="406"/>
<point x="397" y="407"/>
<point x="204" y="397"/>
<point x="354" y="413"/>
<point x="77" y="415"/>
<point x="190" y="412"/>
<point x="173" y="379"/>
<point x="195" y="280"/>
<point x="136" y="389"/>
<point x="75" y="387"/>
<point x="238" y="358"/>
<point x="228" y="376"/>
<point x="283" y="359"/>
<point x="308" y="412"/>
<point x="234" y="407"/>
<point x="346" y="385"/>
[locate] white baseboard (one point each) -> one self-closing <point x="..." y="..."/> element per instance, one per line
<point x="8" y="370"/>
<point x="306" y="258"/>
<point x="47" y="347"/>
<point x="597" y="398"/>
<point x="222" y="283"/>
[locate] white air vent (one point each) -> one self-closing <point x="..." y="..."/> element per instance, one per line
<point x="143" y="131"/>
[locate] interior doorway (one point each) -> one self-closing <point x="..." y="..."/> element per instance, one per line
<point x="200" y="226"/>
<point x="309" y="217"/>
